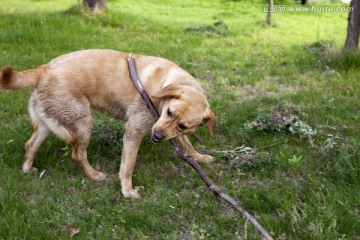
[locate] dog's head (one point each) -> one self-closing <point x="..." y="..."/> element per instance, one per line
<point x="183" y="110"/>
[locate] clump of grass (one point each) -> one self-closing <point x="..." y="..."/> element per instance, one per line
<point x="282" y="119"/>
<point x="218" y="28"/>
<point x="346" y="61"/>
<point x="245" y="158"/>
<point x="108" y="132"/>
<point x="322" y="45"/>
<point x="341" y="159"/>
<point x="331" y="58"/>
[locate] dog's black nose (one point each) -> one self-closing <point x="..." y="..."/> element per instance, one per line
<point x="157" y="136"/>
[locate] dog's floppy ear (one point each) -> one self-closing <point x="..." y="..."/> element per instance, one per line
<point x="170" y="91"/>
<point x="210" y="119"/>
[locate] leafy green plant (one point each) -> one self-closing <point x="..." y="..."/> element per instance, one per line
<point x="295" y="160"/>
<point x="199" y="232"/>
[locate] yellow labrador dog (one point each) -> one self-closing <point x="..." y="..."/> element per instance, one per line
<point x="66" y="88"/>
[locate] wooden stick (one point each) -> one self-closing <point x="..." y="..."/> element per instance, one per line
<point x="188" y="159"/>
<point x="187" y="233"/>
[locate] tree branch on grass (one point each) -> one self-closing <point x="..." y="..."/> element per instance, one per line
<point x="188" y="159"/>
<point x="186" y="234"/>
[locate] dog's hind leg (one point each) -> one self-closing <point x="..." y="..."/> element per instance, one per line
<point x="78" y="134"/>
<point x="80" y="140"/>
<point x="70" y="119"/>
<point x="41" y="132"/>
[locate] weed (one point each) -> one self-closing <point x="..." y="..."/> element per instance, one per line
<point x="295" y="160"/>
<point x="198" y="232"/>
<point x="342" y="160"/>
<point x="281" y="119"/>
<point x="245" y="158"/>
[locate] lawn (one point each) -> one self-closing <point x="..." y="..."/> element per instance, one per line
<point x="286" y="143"/>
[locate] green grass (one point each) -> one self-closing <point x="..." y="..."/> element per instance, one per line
<point x="298" y="188"/>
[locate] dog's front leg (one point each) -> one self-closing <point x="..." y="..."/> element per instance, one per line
<point x="189" y="149"/>
<point x="131" y="143"/>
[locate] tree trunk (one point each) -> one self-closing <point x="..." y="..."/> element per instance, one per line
<point x="353" y="29"/>
<point x="268" y="17"/>
<point x="95" y="5"/>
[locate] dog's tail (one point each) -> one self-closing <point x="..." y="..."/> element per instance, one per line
<point x="11" y="80"/>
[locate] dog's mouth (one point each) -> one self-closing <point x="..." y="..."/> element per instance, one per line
<point x="155" y="140"/>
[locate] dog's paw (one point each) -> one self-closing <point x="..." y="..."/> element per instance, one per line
<point x="205" y="159"/>
<point x="98" y="176"/>
<point x="28" y="169"/>
<point x="131" y="193"/>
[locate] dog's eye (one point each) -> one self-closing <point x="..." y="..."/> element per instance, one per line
<point x="181" y="126"/>
<point x="169" y="113"/>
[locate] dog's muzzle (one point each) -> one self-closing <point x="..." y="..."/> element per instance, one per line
<point x="157" y="136"/>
